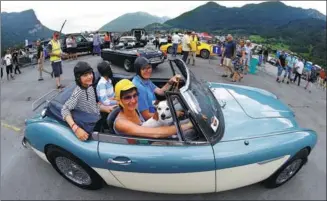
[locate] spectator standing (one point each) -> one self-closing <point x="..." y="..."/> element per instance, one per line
<point x="40" y="60"/>
<point x="194" y="47"/>
<point x="281" y="65"/>
<point x="107" y="39"/>
<point x="289" y="68"/>
<point x="9" y="67"/>
<point x="175" y="40"/>
<point x="322" y="77"/>
<point x="230" y="53"/>
<point x="2" y="65"/>
<point x="74" y="48"/>
<point x="248" y="53"/>
<point x="69" y="45"/>
<point x="265" y="56"/>
<point x="298" y="71"/>
<point x="312" y="78"/>
<point x="55" y="52"/>
<point x="96" y="44"/>
<point x="15" y="61"/>
<point x="186" y="46"/>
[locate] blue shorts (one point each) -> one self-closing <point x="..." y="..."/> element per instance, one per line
<point x="56" y="68"/>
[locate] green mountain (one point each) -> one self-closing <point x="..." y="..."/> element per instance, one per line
<point x="18" y="26"/>
<point x="251" y="17"/>
<point x="129" y="21"/>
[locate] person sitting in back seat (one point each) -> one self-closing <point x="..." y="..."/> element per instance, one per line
<point x="105" y="89"/>
<point x="81" y="111"/>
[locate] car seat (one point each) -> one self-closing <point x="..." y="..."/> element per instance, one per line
<point x="111" y="119"/>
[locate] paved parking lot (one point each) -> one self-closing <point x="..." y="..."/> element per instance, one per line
<point x="25" y="176"/>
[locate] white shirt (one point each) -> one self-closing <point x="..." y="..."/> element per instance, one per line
<point x="176" y="39"/>
<point x="300" y="66"/>
<point x="69" y="42"/>
<point x="185" y="42"/>
<point x="8" y="59"/>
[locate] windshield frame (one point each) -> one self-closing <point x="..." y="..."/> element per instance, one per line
<point x="188" y="96"/>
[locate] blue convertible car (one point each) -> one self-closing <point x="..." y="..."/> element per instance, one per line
<point x="241" y="136"/>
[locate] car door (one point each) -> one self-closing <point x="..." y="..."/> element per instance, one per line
<point x="163" y="166"/>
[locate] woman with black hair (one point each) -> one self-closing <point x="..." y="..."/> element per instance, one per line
<point x="83" y="99"/>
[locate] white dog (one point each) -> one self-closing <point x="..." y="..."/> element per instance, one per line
<point x="162" y="117"/>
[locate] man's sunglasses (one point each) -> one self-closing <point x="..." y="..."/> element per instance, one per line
<point x="147" y="67"/>
<point x="129" y="97"/>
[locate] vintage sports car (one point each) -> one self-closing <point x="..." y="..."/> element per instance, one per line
<point x="241" y="136"/>
<point x="125" y="56"/>
<point x="204" y="49"/>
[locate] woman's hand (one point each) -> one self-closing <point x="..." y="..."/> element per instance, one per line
<point x="187" y="126"/>
<point x="81" y="134"/>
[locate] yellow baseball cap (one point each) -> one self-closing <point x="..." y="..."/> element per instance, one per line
<point x="123" y="85"/>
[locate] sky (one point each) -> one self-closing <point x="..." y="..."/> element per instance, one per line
<point x="91" y="15"/>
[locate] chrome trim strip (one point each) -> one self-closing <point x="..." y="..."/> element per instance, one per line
<point x="270" y="160"/>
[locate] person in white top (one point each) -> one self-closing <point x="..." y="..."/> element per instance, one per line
<point x="69" y="45"/>
<point x="186" y="45"/>
<point x="175" y="41"/>
<point x="298" y="71"/>
<point x="8" y="63"/>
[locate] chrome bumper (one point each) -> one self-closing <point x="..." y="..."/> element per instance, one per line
<point x="25" y="143"/>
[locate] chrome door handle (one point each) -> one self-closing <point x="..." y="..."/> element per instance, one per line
<point x="127" y="162"/>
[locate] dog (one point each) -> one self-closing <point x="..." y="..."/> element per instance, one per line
<point x="162" y="117"/>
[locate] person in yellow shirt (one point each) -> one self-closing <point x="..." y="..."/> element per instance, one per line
<point x="194" y="47"/>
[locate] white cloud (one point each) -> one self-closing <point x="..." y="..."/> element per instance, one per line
<point x="91" y="15"/>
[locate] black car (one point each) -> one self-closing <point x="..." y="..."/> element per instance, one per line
<point x="125" y="56"/>
<point x="83" y="45"/>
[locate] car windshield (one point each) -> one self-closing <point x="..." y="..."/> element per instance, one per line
<point x="203" y="103"/>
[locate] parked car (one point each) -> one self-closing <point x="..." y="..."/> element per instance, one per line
<point x="273" y="61"/>
<point x="204" y="49"/>
<point x="241" y="135"/>
<point x="125" y="56"/>
<point x="83" y="44"/>
<point x="140" y="35"/>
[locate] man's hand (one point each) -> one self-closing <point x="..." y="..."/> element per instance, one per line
<point x="179" y="113"/>
<point x="81" y="134"/>
<point x="174" y="79"/>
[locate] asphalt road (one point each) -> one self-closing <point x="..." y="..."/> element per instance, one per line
<point x="25" y="176"/>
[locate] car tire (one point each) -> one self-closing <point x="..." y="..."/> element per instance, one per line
<point x="170" y="50"/>
<point x="205" y="54"/>
<point x="293" y="165"/>
<point x="128" y="65"/>
<point x="65" y="163"/>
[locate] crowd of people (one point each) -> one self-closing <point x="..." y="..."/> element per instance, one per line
<point x="10" y="63"/>
<point x="294" y="67"/>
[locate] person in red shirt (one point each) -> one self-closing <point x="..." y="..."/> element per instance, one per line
<point x="107" y="40"/>
<point x="322" y="78"/>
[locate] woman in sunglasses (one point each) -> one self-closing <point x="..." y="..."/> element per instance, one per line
<point x="129" y="121"/>
<point x="146" y="88"/>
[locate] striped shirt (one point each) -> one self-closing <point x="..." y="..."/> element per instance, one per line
<point x="105" y="92"/>
<point x="83" y="100"/>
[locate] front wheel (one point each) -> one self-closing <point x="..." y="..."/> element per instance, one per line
<point x="73" y="169"/>
<point x="205" y="54"/>
<point x="170" y="50"/>
<point x="128" y="65"/>
<point x="288" y="170"/>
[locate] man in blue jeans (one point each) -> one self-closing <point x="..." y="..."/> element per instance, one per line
<point x="281" y="65"/>
<point x="175" y="40"/>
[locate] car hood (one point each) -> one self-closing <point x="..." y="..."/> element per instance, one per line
<point x="251" y="112"/>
